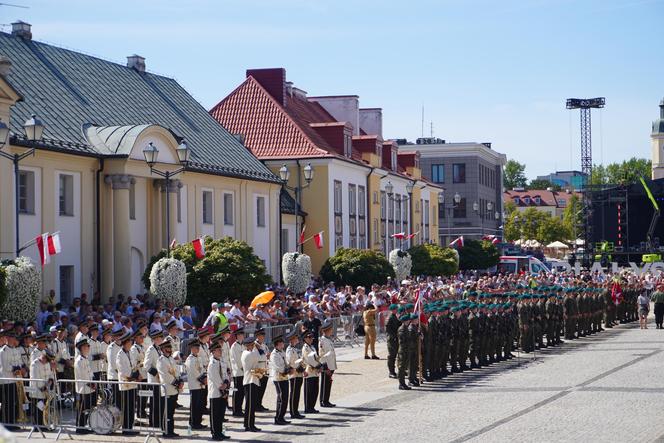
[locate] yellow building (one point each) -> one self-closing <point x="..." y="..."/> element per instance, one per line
<point x="363" y="191"/>
<point x="89" y="180"/>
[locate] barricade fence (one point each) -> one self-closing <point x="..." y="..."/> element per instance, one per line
<point x="102" y="407"/>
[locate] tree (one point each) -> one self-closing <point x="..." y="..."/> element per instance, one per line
<point x="478" y="255"/>
<point x="229" y="270"/>
<point x="356" y="267"/>
<point x="513" y="175"/>
<point x="540" y="183"/>
<point x="552" y="229"/>
<point x="573" y="216"/>
<point x="433" y="260"/>
<point x="624" y="173"/>
<point x="538" y="225"/>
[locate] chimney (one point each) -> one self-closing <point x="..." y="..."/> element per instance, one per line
<point x="22" y="29"/>
<point x="273" y="80"/>
<point x="136" y="62"/>
<point x="371" y="121"/>
<point x="5" y="66"/>
<point x="344" y="108"/>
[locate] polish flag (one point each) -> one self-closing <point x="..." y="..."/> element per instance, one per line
<point x="48" y="244"/>
<point x="400" y="235"/>
<point x="418" y="307"/>
<point x="457" y="243"/>
<point x="53" y="243"/>
<point x="318" y="239"/>
<point x="199" y="247"/>
<point x="173" y="243"/>
<point x="492" y="238"/>
<point x="304" y="228"/>
<point x="409" y="236"/>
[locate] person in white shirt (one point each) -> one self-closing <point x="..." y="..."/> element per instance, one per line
<point x="312" y="365"/>
<point x="42" y="373"/>
<point x="237" y="372"/>
<point x="263" y="357"/>
<point x="328" y="361"/>
<point x="213" y="314"/>
<point x="137" y="354"/>
<point x="84" y="389"/>
<point x="196" y="380"/>
<point x="83" y="332"/>
<point x="218" y="387"/>
<point x="127" y="372"/>
<point x="253" y="372"/>
<point x="150" y="361"/>
<point x="59" y="348"/>
<point x="236" y="314"/>
<point x="279" y="372"/>
<point x="204" y="339"/>
<point x="112" y="371"/>
<point x="41" y="344"/>
<point x="170" y="378"/>
<point x="295" y="378"/>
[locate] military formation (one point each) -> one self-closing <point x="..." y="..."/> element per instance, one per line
<point x="221" y="368"/>
<point x="450" y="335"/>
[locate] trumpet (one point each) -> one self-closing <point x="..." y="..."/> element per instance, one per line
<point x="259" y="372"/>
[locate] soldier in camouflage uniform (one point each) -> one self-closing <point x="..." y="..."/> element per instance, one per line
<point x="465" y="340"/>
<point x="445" y="338"/>
<point x="475" y="334"/>
<point x="403" y="336"/>
<point x="525" y="332"/>
<point x="551" y="316"/>
<point x="413" y="347"/>
<point x="455" y="339"/>
<point x="392" y="329"/>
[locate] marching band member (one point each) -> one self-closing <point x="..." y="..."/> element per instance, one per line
<point x="279" y="372"/>
<point x="295" y="378"/>
<point x="85" y="390"/>
<point x="59" y="348"/>
<point x="226" y="351"/>
<point x="27" y="344"/>
<point x="196" y="379"/>
<point x="237" y="372"/>
<point x="328" y="360"/>
<point x="127" y="371"/>
<point x="251" y="381"/>
<point x="41" y="344"/>
<point x="218" y="386"/>
<point x="10" y="367"/>
<point x="168" y="376"/>
<point x="111" y="360"/>
<point x="172" y="330"/>
<point x="263" y="357"/>
<point x="142" y="326"/>
<point x="104" y="343"/>
<point x="310" y="359"/>
<point x="96" y="352"/>
<point x="150" y="365"/>
<point x="137" y="354"/>
<point x="204" y="339"/>
<point x="82" y="334"/>
<point x="42" y="373"/>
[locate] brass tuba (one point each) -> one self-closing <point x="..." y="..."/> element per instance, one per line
<point x="22" y="400"/>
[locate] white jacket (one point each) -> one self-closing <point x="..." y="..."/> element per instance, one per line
<point x="82" y="371"/>
<point x="59" y="348"/>
<point x="125" y="366"/>
<point x="111" y="358"/>
<point x="236" y="360"/>
<point x="168" y="372"/>
<point x="150" y="361"/>
<point x="294" y="359"/>
<point x="195" y="368"/>
<point x="216" y="377"/>
<point x="226" y="357"/>
<point x="249" y="362"/>
<point x="7" y="364"/>
<point x="42" y="372"/>
<point x="96" y="348"/>
<point x="204" y="355"/>
<point x="137" y="353"/>
<point x="310" y="359"/>
<point x="263" y="354"/>
<point x="327" y="354"/>
<point x="278" y="366"/>
<point x="35" y="354"/>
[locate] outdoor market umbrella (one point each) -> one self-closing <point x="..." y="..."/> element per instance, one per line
<point x="557" y="245"/>
<point x="262" y="299"/>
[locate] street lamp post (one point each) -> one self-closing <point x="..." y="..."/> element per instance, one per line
<point x="389" y="190"/>
<point x="150" y="152"/>
<point x="34" y="129"/>
<point x="496" y="216"/>
<point x="284" y="175"/>
<point x="450" y="209"/>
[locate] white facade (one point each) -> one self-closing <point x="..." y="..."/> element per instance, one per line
<point x="68" y="223"/>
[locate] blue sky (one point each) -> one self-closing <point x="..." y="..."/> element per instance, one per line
<point x="483" y="70"/>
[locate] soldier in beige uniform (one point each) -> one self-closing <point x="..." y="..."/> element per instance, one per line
<point x="84" y="389"/>
<point x="42" y="373"/>
<point x="237" y="372"/>
<point x="296" y="377"/>
<point x="279" y="372"/>
<point x="196" y="379"/>
<point x="328" y="361"/>
<point x="169" y="377"/>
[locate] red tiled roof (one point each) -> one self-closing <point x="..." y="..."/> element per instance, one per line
<point x="547" y="198"/>
<point x="271" y="130"/>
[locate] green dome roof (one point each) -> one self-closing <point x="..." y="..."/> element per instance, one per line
<point x="658" y="125"/>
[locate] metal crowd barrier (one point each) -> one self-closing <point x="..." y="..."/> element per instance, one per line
<point x="52" y="406"/>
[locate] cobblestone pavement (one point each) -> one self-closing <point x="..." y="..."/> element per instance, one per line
<point x="608" y="387"/>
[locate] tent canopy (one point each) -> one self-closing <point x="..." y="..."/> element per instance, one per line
<point x="557" y="245"/>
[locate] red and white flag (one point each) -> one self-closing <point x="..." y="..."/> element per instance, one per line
<point x="173" y="243"/>
<point x="304" y="228"/>
<point x="199" y="247"/>
<point x="409" y="236"/>
<point x="457" y="243"/>
<point x="318" y="239"/>
<point x="492" y="238"/>
<point x="400" y="235"/>
<point x="48" y="244"/>
<point x="418" y="307"/>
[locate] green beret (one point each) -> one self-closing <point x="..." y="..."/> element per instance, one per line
<point x="394" y="306"/>
<point x="404" y="318"/>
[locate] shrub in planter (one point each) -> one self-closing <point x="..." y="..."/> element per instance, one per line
<point x="401" y="263"/>
<point x="23" y="290"/>
<point x="434" y="260"/>
<point x="168" y="281"/>
<point x="296" y="271"/>
<point x="356" y="267"/>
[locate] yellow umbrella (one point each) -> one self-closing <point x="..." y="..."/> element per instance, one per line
<point x="262" y="299"/>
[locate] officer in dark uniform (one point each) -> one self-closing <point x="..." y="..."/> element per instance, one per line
<point x="392" y="328"/>
<point x="403" y="335"/>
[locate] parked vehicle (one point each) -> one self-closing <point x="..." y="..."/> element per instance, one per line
<point x="519" y="263"/>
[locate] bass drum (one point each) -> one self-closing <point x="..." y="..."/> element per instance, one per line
<point x="105" y="419"/>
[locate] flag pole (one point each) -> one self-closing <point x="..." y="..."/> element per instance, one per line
<point x="33" y="241"/>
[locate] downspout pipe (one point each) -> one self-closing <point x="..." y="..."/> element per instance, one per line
<point x="98" y="221"/>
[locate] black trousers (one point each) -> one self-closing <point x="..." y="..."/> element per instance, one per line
<point x="38" y="414"/>
<point x="196" y="406"/>
<point x="325" y="386"/>
<point x="84" y="406"/>
<point x="238" y="396"/>
<point x="95" y="394"/>
<point x="310" y="393"/>
<point x="217" y="413"/>
<point x="261" y="391"/>
<point x="116" y="395"/>
<point x="128" y="408"/>
<point x="168" y="425"/>
<point x="156" y="408"/>
<point x="282" y="399"/>
<point x="251" y="403"/>
<point x="9" y="403"/>
<point x="295" y="384"/>
<point x="659" y="313"/>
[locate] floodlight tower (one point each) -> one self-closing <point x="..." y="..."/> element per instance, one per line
<point x="585" y="105"/>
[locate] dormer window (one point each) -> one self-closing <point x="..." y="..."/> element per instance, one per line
<point x="537" y="200"/>
<point x="379" y="153"/>
<point x="517" y="200"/>
<point x="348" y="146"/>
<point x="526" y="200"/>
<point x="394" y="159"/>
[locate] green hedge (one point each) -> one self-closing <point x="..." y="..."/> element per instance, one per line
<point x="478" y="255"/>
<point x="356" y="267"/>
<point x="433" y="260"/>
